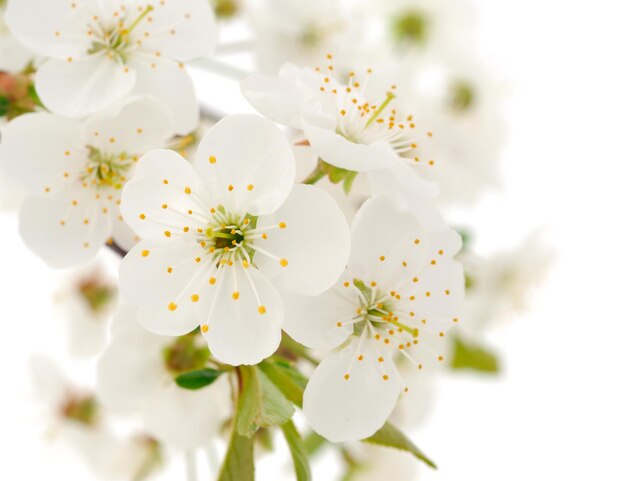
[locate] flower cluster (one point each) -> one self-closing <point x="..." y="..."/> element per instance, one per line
<point x="248" y="287"/>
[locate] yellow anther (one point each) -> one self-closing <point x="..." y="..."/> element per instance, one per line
<point x="284" y="262"/>
<point x="235" y="295"/>
<point x="172" y="306"/>
<point x="195" y="298"/>
<point x="145" y="253"/>
<point x="205" y="328"/>
<point x="262" y="310"/>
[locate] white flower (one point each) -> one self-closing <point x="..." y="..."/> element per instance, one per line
<point x="302" y="31"/>
<point x="137" y="371"/>
<point x="219" y="240"/>
<point x="99" y="51"/>
<point x="86" y="302"/>
<point x="357" y="126"/>
<point x="401" y="292"/>
<point x="75" y="172"/>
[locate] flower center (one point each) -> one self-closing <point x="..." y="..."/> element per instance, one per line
<point x="116" y="41"/>
<point x="107" y="170"/>
<point x="462" y="97"/>
<point x="82" y="409"/>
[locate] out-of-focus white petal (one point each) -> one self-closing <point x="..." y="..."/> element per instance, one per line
<point x="248" y="163"/>
<point x="319" y="322"/>
<point x="65" y="229"/>
<point x="37" y="149"/>
<point x="244" y="318"/>
<point x="82" y="86"/>
<point x="348" y="399"/>
<point x="187" y="419"/>
<point x="314" y="242"/>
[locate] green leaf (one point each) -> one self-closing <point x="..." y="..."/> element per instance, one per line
<point x="285" y="377"/>
<point x="4" y="106"/>
<point x="298" y="452"/>
<point x="261" y="404"/>
<point x="476" y="358"/>
<point x="392" y="437"/>
<point x="197" y="379"/>
<point x="238" y="464"/>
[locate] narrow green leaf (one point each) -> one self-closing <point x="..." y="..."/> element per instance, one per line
<point x="285" y="377"/>
<point x="468" y="356"/>
<point x="197" y="379"/>
<point x="392" y="437"/>
<point x="238" y="464"/>
<point x="261" y="404"/>
<point x="298" y="452"/>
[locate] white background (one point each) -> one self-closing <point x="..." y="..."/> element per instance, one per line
<point x="557" y="412"/>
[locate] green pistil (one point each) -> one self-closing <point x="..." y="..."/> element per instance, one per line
<point x="379" y="110"/>
<point x="124" y="33"/>
<point x="462" y="97"/>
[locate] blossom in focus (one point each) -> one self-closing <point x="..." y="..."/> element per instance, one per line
<point x="98" y="51"/>
<point x="402" y="290"/>
<point x="136" y="374"/>
<point x="356" y="126"/>
<point x="221" y="239"/>
<point x="74" y="172"/>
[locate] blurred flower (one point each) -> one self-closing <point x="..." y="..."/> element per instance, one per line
<point x="74" y="418"/>
<point x="75" y="173"/>
<point x="401" y="292"/>
<point x="499" y="286"/>
<point x="87" y="301"/>
<point x="303" y="31"/>
<point x="375" y="463"/>
<point x="221" y="238"/>
<point x="136" y="374"/>
<point x="99" y="52"/>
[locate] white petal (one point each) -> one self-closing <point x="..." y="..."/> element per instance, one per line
<point x="187" y="419"/>
<point x="404" y="180"/>
<point x="315" y="242"/>
<point x="164" y="178"/>
<point x="131" y="368"/>
<point x="384" y="236"/>
<point x="61" y="233"/>
<point x="14" y="57"/>
<point x="123" y="235"/>
<point x="138" y="126"/>
<point x="253" y="156"/>
<point x="343" y="409"/>
<point x="50" y="386"/>
<point x="82" y="86"/>
<point x="171" y="85"/>
<point x="239" y="331"/>
<point x="159" y="278"/>
<point x="340" y="152"/>
<point x="181" y="30"/>
<point x="48" y="27"/>
<point x="439" y="292"/>
<point x="34" y="151"/>
<point x="319" y="322"/>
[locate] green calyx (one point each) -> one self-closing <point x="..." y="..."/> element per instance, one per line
<point x="462" y="97"/>
<point x="410" y="27"/>
<point x="82" y="409"/>
<point x="97" y="295"/>
<point x="185" y="353"/>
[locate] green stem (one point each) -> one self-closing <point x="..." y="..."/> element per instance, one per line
<point x="316" y="175"/>
<point x="127" y="31"/>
